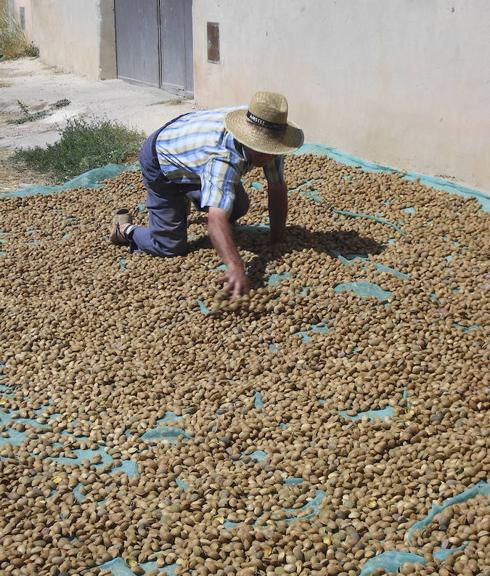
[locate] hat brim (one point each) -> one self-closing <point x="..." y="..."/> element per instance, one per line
<point x="260" y="139"/>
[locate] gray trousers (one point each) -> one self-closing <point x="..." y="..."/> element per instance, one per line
<point x="166" y="234"/>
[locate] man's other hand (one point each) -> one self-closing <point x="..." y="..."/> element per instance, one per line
<point x="236" y="281"/>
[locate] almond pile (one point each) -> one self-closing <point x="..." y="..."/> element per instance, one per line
<point x="303" y="429"/>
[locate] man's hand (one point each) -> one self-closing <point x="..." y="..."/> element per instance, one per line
<point x="236" y="281"/>
<point x="222" y="238"/>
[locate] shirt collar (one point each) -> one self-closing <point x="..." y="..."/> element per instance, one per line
<point x="240" y="148"/>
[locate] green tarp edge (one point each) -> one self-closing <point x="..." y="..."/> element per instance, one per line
<point x="94" y="178"/>
<point x="91" y="179"/>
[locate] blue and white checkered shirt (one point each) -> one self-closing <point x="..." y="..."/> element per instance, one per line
<point x="197" y="148"/>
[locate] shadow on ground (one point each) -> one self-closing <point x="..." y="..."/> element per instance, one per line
<point x="297" y="239"/>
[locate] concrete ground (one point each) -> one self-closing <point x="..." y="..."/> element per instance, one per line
<point x="27" y="82"/>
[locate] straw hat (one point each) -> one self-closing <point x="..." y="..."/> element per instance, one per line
<point x="264" y="127"/>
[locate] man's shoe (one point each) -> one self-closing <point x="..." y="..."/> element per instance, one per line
<point x="118" y="237"/>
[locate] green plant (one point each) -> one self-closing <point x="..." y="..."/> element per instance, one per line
<point x="32" y="51"/>
<point x="84" y="144"/>
<point x="13" y="42"/>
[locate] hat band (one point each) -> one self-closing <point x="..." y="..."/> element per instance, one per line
<point x="265" y="123"/>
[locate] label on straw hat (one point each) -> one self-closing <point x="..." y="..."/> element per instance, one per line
<point x="265" y="123"/>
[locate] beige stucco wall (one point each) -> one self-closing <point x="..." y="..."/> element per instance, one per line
<point x="401" y="82"/>
<point x="74" y="35"/>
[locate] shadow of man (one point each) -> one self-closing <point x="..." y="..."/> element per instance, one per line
<point x="347" y="243"/>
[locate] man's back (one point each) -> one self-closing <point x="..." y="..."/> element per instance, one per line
<point x="187" y="144"/>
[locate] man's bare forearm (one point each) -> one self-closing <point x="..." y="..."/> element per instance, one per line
<point x="235" y="279"/>
<point x="278" y="210"/>
<point x="222" y="238"/>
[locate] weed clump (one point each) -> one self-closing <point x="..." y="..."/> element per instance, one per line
<point x="28" y="116"/>
<point x="84" y="144"/>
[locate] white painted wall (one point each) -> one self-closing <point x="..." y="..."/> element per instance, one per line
<point x="401" y="82"/>
<point x="74" y="35"/>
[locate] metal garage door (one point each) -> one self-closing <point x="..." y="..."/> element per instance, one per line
<point x="154" y="43"/>
<point x="137" y="41"/>
<point x="176" y="42"/>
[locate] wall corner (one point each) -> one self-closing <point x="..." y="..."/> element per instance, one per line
<point x="107" y="41"/>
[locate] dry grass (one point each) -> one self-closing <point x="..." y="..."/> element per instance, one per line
<point x="13" y="42"/>
<point x="12" y="178"/>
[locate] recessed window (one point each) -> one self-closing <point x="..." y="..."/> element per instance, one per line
<point x="22" y="17"/>
<point x="213" y="42"/>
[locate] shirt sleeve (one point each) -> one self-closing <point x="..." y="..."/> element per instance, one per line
<point x="274" y="172"/>
<point x="218" y="184"/>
